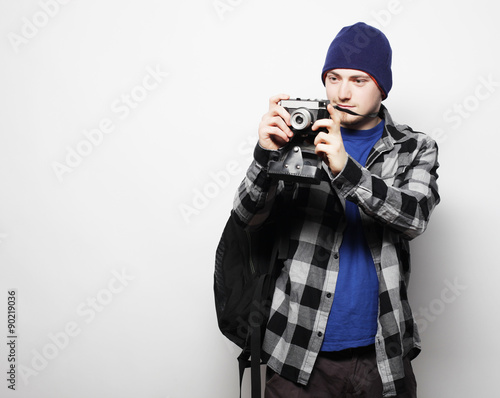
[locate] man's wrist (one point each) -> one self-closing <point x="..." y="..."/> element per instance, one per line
<point x="263" y="155"/>
<point x="350" y="176"/>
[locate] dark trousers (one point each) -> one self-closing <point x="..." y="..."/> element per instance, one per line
<point x="345" y="374"/>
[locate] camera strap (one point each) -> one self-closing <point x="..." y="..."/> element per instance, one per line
<point x="374" y="114"/>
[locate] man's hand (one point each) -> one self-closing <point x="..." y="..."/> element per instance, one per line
<point x="330" y="145"/>
<point x="273" y="128"/>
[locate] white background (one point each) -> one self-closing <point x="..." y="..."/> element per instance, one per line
<point x="147" y="201"/>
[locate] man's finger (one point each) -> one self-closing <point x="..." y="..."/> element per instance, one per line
<point x="334" y="114"/>
<point x="328" y="124"/>
<point x="275" y="99"/>
<point x="281" y="124"/>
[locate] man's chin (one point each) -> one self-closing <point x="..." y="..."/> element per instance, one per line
<point x="350" y="121"/>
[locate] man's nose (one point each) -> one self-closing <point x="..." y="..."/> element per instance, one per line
<point x="344" y="91"/>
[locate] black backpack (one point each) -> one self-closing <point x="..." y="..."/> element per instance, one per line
<point x="246" y="268"/>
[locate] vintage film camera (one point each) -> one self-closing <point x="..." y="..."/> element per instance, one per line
<point x="297" y="161"/>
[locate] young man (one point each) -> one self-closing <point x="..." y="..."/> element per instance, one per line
<point x="340" y="323"/>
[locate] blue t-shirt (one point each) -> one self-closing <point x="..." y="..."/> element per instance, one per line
<point x="353" y="317"/>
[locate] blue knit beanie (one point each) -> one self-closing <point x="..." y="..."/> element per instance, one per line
<point x="365" y="48"/>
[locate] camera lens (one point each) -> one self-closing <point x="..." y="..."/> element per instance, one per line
<point x="300" y="119"/>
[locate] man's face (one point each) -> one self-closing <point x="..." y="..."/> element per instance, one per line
<point x="354" y="90"/>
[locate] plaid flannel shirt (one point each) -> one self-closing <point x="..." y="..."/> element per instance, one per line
<point x="396" y="192"/>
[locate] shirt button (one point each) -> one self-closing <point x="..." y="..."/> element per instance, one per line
<point x="328" y="295"/>
<point x="335" y="256"/>
<point x="320" y="334"/>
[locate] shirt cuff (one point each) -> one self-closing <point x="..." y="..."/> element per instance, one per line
<point x="349" y="177"/>
<point x="262" y="155"/>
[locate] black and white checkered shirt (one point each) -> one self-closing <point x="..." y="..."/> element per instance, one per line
<point x="396" y="191"/>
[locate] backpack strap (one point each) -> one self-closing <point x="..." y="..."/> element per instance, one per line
<point x="284" y="223"/>
<point x="280" y="247"/>
<point x="252" y="359"/>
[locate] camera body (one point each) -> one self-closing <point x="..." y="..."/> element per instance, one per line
<point x="303" y="114"/>
<point x="297" y="161"/>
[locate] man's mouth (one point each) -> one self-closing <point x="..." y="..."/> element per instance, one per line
<point x="345" y="106"/>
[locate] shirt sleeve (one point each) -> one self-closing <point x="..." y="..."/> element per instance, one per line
<point x="407" y="204"/>
<point x="255" y="195"/>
